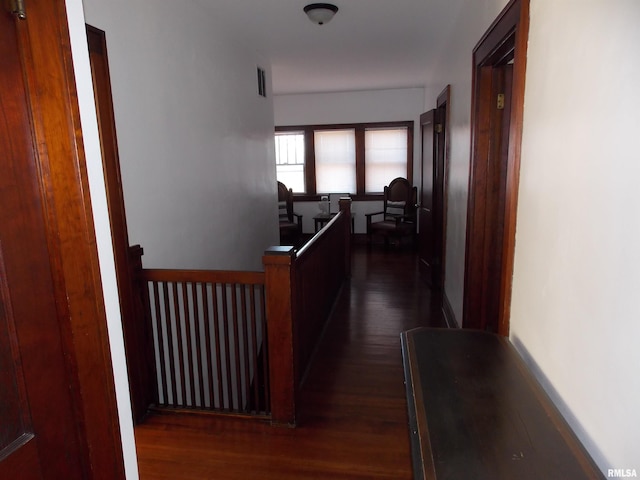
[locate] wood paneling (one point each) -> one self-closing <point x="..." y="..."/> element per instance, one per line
<point x="320" y="271"/>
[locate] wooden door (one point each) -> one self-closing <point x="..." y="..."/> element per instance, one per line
<point x="38" y="438"/>
<point x="57" y="402"/>
<point x="487" y="229"/>
<point x="489" y="305"/>
<point x="426" y="214"/>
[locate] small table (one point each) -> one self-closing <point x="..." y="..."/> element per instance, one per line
<point x="321" y="219"/>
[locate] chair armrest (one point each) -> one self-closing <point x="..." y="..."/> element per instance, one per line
<point x="369" y="215"/>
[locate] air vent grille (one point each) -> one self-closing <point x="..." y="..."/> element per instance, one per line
<point x="262" y="82"/>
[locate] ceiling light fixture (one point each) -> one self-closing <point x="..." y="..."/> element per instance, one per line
<point x="320" y="13"/>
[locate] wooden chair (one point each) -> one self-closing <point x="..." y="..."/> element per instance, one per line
<point x="399" y="213"/>
<point x="290" y="222"/>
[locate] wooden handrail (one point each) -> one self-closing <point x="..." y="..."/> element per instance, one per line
<point x="319" y="236"/>
<point x="202" y="276"/>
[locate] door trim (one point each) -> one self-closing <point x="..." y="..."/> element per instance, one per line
<point x="493" y="49"/>
<point x="443" y="108"/>
<point x="426" y="234"/>
<point x="137" y="336"/>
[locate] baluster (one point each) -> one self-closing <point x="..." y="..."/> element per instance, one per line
<point x="161" y="357"/>
<point x="180" y="371"/>
<point x="191" y="375"/>
<point x="197" y="287"/>
<point x="251" y="321"/>
<point x="227" y="349"/>
<point x="216" y="327"/>
<point x="171" y="369"/>
<point x="245" y="356"/>
<point x="208" y="339"/>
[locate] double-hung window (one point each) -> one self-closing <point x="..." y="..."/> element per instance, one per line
<point x="335" y="160"/>
<point x="290" y="159"/>
<point x="385" y="156"/>
<point x="356" y="158"/>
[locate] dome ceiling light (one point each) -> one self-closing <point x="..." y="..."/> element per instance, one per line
<point x="320" y="13"/>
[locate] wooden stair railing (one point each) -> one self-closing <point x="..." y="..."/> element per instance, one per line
<point x="239" y="342"/>
<point x="301" y="288"/>
<point x="208" y="334"/>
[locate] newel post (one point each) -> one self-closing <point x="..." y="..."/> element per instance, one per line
<point x="279" y="294"/>
<point x="345" y="207"/>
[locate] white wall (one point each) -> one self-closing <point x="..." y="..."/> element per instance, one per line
<point x="351" y="107"/>
<point x="575" y="313"/>
<point x="455" y="69"/>
<point x="95" y="175"/>
<point x="195" y="139"/>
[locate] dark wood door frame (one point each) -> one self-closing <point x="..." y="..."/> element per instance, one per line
<point x="504" y="43"/>
<point x="137" y="336"/>
<point x="60" y="171"/>
<point x="433" y="190"/>
<point x="441" y="181"/>
<point x="427" y="233"/>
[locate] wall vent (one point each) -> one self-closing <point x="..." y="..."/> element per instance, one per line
<point x="262" y="82"/>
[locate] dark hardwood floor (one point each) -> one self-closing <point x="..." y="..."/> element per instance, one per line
<point x="353" y="418"/>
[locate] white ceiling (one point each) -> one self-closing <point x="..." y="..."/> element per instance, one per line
<point x="369" y="44"/>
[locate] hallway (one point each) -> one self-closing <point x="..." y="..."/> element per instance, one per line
<point x="353" y="414"/>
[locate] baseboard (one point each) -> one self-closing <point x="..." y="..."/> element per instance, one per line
<point x="447" y="311"/>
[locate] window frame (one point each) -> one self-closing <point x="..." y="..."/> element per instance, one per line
<point x="309" y="151"/>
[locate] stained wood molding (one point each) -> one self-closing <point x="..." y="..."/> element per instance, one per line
<point x="447" y="311"/>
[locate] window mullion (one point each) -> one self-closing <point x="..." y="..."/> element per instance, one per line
<point x="310" y="161"/>
<point x="360" y="161"/>
<point x="410" y="152"/>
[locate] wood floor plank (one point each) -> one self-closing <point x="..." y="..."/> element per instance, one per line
<point x="353" y="419"/>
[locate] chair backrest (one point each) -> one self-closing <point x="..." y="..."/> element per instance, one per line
<point x="400" y="198"/>
<point x="285" y="203"/>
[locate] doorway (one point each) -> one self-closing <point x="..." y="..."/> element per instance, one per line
<point x="433" y="191"/>
<point x="499" y="62"/>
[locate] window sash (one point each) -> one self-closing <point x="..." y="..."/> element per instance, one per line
<point x="385" y="156"/>
<point x="290" y="160"/>
<point x="335" y="160"/>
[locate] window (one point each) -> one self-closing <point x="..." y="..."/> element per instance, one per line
<point x="385" y="154"/>
<point x="335" y="159"/>
<point x="356" y="158"/>
<point x="290" y="160"/>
